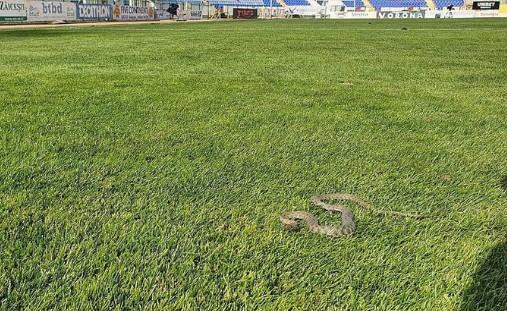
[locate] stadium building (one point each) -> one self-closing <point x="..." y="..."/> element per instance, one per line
<point x="132" y="10"/>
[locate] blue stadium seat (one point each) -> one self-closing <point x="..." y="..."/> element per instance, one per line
<point x="352" y="4"/>
<point x="237" y="3"/>
<point x="296" y="2"/>
<point x="275" y="3"/>
<point x="445" y="3"/>
<point x="378" y="4"/>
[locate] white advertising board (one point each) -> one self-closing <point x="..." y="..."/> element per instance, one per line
<point x="186" y="15"/>
<point x="266" y="12"/>
<point x="135" y="13"/>
<point x="487" y="13"/>
<point x="12" y="10"/>
<point x="352" y="15"/>
<point x="51" y="11"/>
<point x="162" y="14"/>
<point x="462" y="13"/>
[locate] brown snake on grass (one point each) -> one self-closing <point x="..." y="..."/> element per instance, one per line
<point x="348" y="226"/>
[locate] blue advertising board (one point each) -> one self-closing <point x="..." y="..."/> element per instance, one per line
<point x="94" y="11"/>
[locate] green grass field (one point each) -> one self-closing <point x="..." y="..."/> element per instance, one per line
<point x="146" y="166"/>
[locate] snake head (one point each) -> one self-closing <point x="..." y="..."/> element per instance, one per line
<point x="348" y="229"/>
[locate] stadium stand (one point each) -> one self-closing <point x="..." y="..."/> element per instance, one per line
<point x="353" y="4"/>
<point x="275" y="3"/>
<point x="445" y="3"/>
<point x="378" y="4"/>
<point x="297" y="2"/>
<point x="165" y="2"/>
<point x="237" y="3"/>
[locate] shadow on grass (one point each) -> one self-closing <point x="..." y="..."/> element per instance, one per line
<point x="37" y="33"/>
<point x="489" y="288"/>
<point x="503" y="183"/>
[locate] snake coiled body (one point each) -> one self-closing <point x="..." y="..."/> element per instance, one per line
<point x="348" y="226"/>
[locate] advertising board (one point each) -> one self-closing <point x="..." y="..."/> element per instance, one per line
<point x="12" y="10"/>
<point x="400" y="14"/>
<point x="486" y="5"/>
<point x="185" y="15"/>
<point x="51" y="11"/>
<point x="241" y="13"/>
<point x="125" y="13"/>
<point x="94" y="11"/>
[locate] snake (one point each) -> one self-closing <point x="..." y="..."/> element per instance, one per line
<point x="348" y="226"/>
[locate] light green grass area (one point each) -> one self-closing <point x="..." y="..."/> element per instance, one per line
<point x="146" y="166"/>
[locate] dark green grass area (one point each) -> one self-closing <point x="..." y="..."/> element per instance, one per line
<point x="146" y="166"/>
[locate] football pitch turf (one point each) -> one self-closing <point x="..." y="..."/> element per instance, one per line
<point x="146" y="166"/>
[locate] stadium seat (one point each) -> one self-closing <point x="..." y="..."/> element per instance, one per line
<point x="236" y="3"/>
<point x="296" y="2"/>
<point x="353" y="4"/>
<point x="378" y="4"/>
<point x="275" y="3"/>
<point x="445" y="3"/>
